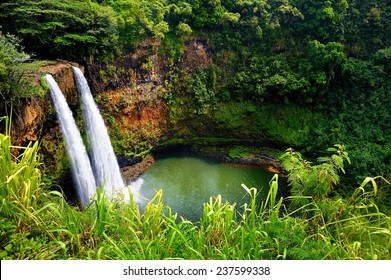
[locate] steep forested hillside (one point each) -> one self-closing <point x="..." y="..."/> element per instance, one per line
<point x="327" y="57"/>
<point x="293" y="77"/>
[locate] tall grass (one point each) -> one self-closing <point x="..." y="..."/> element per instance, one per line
<point x="36" y="223"/>
<point x="20" y="185"/>
<point x="22" y="195"/>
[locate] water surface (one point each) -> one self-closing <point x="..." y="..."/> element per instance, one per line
<point x="189" y="181"/>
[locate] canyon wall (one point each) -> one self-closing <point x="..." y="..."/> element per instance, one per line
<point x="133" y="95"/>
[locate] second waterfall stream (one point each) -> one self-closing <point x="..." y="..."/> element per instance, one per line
<point x="103" y="160"/>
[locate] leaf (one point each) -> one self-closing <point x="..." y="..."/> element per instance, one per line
<point x="247" y="189"/>
<point x="366" y="181"/>
<point x="324" y="159"/>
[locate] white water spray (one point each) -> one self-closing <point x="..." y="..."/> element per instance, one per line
<point x="80" y="164"/>
<point x="135" y="187"/>
<point x="103" y="160"/>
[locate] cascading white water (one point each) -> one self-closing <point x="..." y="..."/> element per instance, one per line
<point x="80" y="164"/>
<point x="103" y="160"/>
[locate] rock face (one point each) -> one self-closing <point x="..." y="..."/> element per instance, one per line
<point x="132" y="96"/>
<point x="35" y="119"/>
<point x="136" y="112"/>
<point x="30" y="123"/>
<point x="132" y="172"/>
<point x="62" y="72"/>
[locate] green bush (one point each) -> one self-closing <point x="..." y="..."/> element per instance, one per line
<point x="78" y="30"/>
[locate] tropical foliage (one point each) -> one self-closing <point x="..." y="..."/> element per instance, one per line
<point x="39" y="224"/>
<point x="289" y="73"/>
<point x="11" y="72"/>
<point x="75" y="29"/>
<point x="332" y="57"/>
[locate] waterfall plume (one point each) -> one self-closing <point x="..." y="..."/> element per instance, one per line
<point x="80" y="164"/>
<point x="103" y="160"/>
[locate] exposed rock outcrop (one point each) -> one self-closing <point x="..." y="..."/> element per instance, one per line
<point x="30" y="122"/>
<point x="35" y="119"/>
<point x="133" y="95"/>
<point x="132" y="172"/>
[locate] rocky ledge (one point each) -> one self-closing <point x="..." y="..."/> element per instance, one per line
<point x="133" y="171"/>
<point x="30" y="121"/>
<point x="246" y="155"/>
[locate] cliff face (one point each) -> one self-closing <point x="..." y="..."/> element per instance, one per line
<point x="136" y="101"/>
<point x="35" y="119"/>
<point x="133" y="110"/>
<point x="30" y="121"/>
<point x="134" y="113"/>
<point x="62" y="72"/>
<point x="132" y="94"/>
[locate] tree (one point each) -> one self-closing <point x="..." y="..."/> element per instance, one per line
<point x="326" y="60"/>
<point x="140" y="18"/>
<point x="367" y="28"/>
<point x="78" y="30"/>
<point x="11" y="72"/>
<point x="321" y="19"/>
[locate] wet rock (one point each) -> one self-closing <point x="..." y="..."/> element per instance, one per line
<point x="132" y="172"/>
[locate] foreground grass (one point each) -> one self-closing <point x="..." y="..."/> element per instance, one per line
<point x="36" y="223"/>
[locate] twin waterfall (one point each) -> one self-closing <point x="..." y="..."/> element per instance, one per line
<point x="103" y="169"/>
<point x="80" y="164"/>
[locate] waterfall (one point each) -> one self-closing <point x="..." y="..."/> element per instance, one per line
<point x="103" y="160"/>
<point x="80" y="164"/>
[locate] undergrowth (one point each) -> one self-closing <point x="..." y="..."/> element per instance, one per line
<point x="284" y="123"/>
<point x="36" y="223"/>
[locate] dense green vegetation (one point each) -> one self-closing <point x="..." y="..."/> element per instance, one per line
<point x="289" y="73"/>
<point x="15" y="81"/>
<point x="68" y="29"/>
<point x="39" y="224"/>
